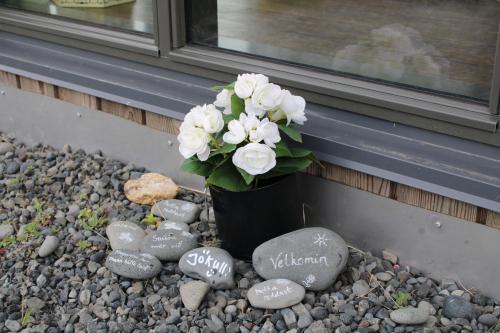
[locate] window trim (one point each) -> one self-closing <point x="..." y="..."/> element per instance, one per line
<point x="79" y="31"/>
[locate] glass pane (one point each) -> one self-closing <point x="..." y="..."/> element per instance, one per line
<point x="447" y="46"/>
<point x="128" y="15"/>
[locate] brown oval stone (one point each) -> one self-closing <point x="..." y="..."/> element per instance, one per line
<point x="150" y="188"/>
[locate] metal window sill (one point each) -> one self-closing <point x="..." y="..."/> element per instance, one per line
<point x="456" y="168"/>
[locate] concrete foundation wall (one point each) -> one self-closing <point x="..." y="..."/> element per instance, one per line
<point x="444" y="246"/>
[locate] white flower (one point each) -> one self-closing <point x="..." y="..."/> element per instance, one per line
<point x="194" y="140"/>
<point x="236" y="133"/>
<point x="223" y="100"/>
<point x="247" y="83"/>
<point x="266" y="97"/>
<point x="206" y="117"/>
<point x="269" y="132"/>
<point x="256" y="130"/>
<point x="293" y="106"/>
<point x="255" y="158"/>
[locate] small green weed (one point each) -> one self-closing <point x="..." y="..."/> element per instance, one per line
<point x="42" y="216"/>
<point x="84" y="244"/>
<point x="27" y="317"/>
<point x="401" y="298"/>
<point x="8" y="241"/>
<point x="83" y="197"/>
<point x="55" y="230"/>
<point x="13" y="181"/>
<point x="150" y="219"/>
<point x="90" y="220"/>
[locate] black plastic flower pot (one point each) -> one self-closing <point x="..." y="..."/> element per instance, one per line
<point x="247" y="219"/>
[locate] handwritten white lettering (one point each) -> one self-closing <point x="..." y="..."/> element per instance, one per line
<point x="290" y="260"/>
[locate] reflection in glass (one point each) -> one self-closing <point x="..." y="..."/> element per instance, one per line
<point x="136" y="16"/>
<point x="447" y="46"/>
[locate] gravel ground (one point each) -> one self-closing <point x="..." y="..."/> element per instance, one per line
<point x="72" y="195"/>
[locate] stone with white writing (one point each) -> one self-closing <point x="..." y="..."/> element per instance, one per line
<point x="177" y="210"/>
<point x="133" y="265"/>
<point x="312" y="257"/>
<point x="275" y="294"/>
<point x="168" y="245"/>
<point x="124" y="235"/>
<point x="167" y="224"/>
<point x="213" y="265"/>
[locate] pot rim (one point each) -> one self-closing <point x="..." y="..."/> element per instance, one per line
<point x="278" y="180"/>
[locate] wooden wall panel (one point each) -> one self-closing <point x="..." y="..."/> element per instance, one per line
<point x="9" y="79"/>
<point x="79" y="98"/>
<point x="124" y="111"/>
<point x="383" y="187"/>
<point x="38" y="87"/>
<point x="162" y="123"/>
<point x="493" y="219"/>
<point x="351" y="178"/>
<point x="31" y="85"/>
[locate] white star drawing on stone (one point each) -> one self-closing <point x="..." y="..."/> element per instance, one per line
<point x="320" y="240"/>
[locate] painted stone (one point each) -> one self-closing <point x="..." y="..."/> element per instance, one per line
<point x="168" y="245"/>
<point x="165" y="225"/>
<point x="177" y="210"/>
<point x="275" y="294"/>
<point x="124" y="235"/>
<point x="312" y="257"/>
<point x="150" y="188"/>
<point x="213" y="265"/>
<point x="133" y="265"/>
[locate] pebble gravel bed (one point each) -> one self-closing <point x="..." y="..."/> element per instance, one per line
<point x="72" y="195"/>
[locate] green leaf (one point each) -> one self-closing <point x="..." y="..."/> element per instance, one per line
<point x="282" y="149"/>
<point x="287" y="165"/>
<point x="246" y="176"/>
<point x="301" y="152"/>
<point x="237" y="106"/>
<point x="227" y="118"/>
<point x="220" y="88"/>
<point x="293" y="133"/>
<point x="197" y="167"/>
<point x="228" y="177"/>
<point x="226" y="148"/>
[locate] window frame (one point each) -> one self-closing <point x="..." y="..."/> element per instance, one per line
<point x="167" y="48"/>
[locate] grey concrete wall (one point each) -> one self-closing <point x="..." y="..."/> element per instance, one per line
<point x="443" y="246"/>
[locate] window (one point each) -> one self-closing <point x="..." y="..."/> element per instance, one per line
<point x="444" y="46"/>
<point x="130" y="15"/>
<point x="430" y="64"/>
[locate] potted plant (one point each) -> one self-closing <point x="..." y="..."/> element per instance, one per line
<point x="244" y="154"/>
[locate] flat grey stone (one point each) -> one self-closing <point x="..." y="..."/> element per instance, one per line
<point x="457" y="307"/>
<point x="210" y="264"/>
<point x="410" y="315"/>
<point x="313" y="257"/>
<point x="275" y="294"/>
<point x="177" y="210"/>
<point x="125" y="235"/>
<point x="12" y="325"/>
<point x="133" y="265"/>
<point x="5" y="147"/>
<point x="167" y="224"/>
<point x="48" y="246"/>
<point x="360" y="288"/>
<point x="193" y="293"/>
<point x="6" y="230"/>
<point x="169" y="245"/>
